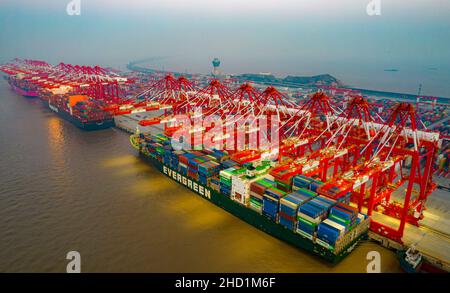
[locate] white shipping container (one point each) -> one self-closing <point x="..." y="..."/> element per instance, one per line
<point x="308" y="218"/>
<point x="335" y="225"/>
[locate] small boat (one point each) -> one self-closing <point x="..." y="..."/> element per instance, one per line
<point x="412" y="261"/>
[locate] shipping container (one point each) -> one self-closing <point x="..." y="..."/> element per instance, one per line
<point x="301" y="181"/>
<point x="289" y="206"/>
<point x="271" y="201"/>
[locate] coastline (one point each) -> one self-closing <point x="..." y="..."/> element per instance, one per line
<point x="133" y="66"/>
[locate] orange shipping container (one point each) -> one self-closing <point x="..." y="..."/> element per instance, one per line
<point x="77" y="98"/>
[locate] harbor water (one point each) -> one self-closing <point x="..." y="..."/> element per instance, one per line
<point x="63" y="189"/>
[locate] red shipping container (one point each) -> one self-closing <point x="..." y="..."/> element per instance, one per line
<point x="257" y="188"/>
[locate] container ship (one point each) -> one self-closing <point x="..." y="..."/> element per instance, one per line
<point x="21" y="75"/>
<point x="82" y="111"/>
<point x="77" y="93"/>
<point x="297" y="211"/>
<point x="22" y="86"/>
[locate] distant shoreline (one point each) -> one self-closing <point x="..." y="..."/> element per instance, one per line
<point x="378" y="93"/>
<point x="403" y="96"/>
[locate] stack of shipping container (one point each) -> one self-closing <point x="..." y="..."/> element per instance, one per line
<point x="311" y="213"/>
<point x="208" y="170"/>
<point x="225" y="180"/>
<point x="271" y="202"/>
<point x="289" y="206"/>
<point x="257" y="190"/>
<point x="341" y="219"/>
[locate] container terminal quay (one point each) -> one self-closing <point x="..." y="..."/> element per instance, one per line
<point x="350" y="165"/>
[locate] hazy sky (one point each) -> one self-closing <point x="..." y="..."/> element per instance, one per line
<point x="279" y="36"/>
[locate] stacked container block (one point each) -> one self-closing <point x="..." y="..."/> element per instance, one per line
<point x="345" y="215"/>
<point x="301" y="181"/>
<point x="225" y="180"/>
<point x="271" y="201"/>
<point x="311" y="213"/>
<point x="257" y="190"/>
<point x="289" y="206"/>
<point x="207" y="170"/>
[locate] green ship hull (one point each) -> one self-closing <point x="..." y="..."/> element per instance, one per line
<point x="333" y="255"/>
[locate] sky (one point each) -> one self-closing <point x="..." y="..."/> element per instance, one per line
<point x="297" y="37"/>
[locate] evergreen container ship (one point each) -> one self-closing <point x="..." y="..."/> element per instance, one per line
<point x="298" y="214"/>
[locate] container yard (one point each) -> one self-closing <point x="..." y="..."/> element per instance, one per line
<point x="336" y="168"/>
